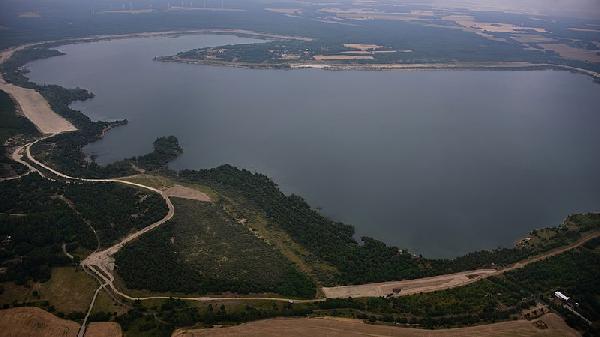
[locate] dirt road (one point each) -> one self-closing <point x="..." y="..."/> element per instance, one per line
<point x="441" y="282"/>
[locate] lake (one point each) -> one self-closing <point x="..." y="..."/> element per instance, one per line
<point x="438" y="162"/>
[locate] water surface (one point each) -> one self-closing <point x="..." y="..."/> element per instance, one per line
<point x="439" y="162"/>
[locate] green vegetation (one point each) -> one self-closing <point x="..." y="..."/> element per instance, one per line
<point x="332" y="242"/>
<point x="34" y="223"/>
<point x="575" y="273"/>
<point x="38" y="216"/>
<point x="162" y="319"/>
<point x="114" y="210"/>
<point x="203" y="250"/>
<point x="166" y="149"/>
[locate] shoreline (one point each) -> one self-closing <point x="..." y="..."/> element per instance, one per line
<point x="457" y="66"/>
<point x="448" y="66"/>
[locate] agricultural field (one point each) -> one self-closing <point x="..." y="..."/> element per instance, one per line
<point x="549" y="325"/>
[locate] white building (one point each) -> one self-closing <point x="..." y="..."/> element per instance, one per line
<point x="561" y="296"/>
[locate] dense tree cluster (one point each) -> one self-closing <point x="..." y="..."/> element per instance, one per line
<point x="166" y="149"/>
<point x="38" y="216"/>
<point x="33" y="226"/>
<point x="115" y="210"/>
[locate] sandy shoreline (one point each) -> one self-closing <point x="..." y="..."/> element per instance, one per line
<point x="33" y="105"/>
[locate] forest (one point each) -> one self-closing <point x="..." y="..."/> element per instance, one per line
<point x="38" y="216"/>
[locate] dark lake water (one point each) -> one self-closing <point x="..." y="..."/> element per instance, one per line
<point x="439" y="162"/>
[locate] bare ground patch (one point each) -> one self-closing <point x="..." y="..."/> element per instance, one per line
<point x="468" y="21"/>
<point x="288" y="11"/>
<point x="37" y="110"/>
<point x="407" y="287"/>
<point x="342" y="57"/>
<point x="180" y="191"/>
<point x="129" y="11"/>
<point x="362" y="46"/>
<point x="573" y="53"/>
<point x="34" y="106"/>
<point x="103" y="329"/>
<point x="308" y="327"/>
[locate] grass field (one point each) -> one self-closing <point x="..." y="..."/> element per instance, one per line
<point x="69" y="290"/>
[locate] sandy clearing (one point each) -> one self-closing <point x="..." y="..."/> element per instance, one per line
<point x="408" y="287"/>
<point x="129" y="11"/>
<point x="357" y="52"/>
<point x="289" y="11"/>
<point x="468" y="21"/>
<point x="103" y="329"/>
<point x="33" y="105"/>
<point x="208" y="9"/>
<point x="308" y="327"/>
<point x="375" y="16"/>
<point x="341" y="57"/>
<point x="37" y="110"/>
<point x="362" y="46"/>
<point x="180" y="191"/>
<point x="34" y="322"/>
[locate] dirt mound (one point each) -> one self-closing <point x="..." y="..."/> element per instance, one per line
<point x="34" y="322"/>
<point x="186" y="193"/>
